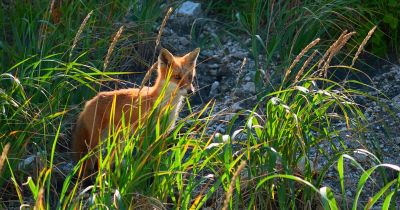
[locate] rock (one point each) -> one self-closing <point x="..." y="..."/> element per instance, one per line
<point x="183" y="41"/>
<point x="182" y="19"/>
<point x="236" y="107"/>
<point x="229" y="117"/>
<point x="213" y="66"/>
<point x="189" y="9"/>
<point x="213" y="72"/>
<point x="249" y="87"/>
<point x="214" y="88"/>
<point x="396" y="100"/>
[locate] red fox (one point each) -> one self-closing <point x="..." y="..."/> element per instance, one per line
<point x="132" y="104"/>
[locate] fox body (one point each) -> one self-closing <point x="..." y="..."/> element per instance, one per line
<point x="174" y="73"/>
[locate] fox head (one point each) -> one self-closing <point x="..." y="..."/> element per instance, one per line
<point x="182" y="70"/>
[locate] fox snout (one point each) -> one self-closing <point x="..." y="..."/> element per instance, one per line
<point x="187" y="90"/>
<point x="191" y="89"/>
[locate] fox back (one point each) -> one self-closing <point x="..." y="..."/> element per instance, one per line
<point x="174" y="82"/>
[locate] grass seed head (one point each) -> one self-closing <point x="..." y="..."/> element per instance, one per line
<point x="363" y="43"/>
<point x="299" y="56"/>
<point x="112" y="46"/>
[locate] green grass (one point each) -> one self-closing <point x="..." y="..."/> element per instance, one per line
<point x="263" y="161"/>
<point x="279" y="30"/>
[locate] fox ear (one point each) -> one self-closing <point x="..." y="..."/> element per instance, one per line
<point x="191" y="57"/>
<point x="165" y="57"/>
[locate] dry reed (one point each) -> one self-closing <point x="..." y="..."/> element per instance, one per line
<point x="112" y="46"/>
<point x="232" y="184"/>
<point x="299" y="56"/>
<point x="363" y="43"/>
<point x="78" y="34"/>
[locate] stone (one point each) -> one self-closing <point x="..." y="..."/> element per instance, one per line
<point x="213" y="66"/>
<point x="183" y="41"/>
<point x="184" y="16"/>
<point x="396" y="100"/>
<point x="189" y="8"/>
<point x="214" y="88"/>
<point x="249" y="87"/>
<point x="213" y="72"/>
<point x="236" y="107"/>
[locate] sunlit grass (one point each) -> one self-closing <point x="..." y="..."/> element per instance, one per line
<point x="265" y="162"/>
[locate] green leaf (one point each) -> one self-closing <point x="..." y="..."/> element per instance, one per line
<point x="34" y="189"/>
<point x="386" y="203"/>
<point x="379" y="194"/>
<point x="328" y="198"/>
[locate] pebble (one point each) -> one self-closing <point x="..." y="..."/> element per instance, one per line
<point x="213" y="66"/>
<point x="214" y="88"/>
<point x="189" y="8"/>
<point x="249" y="87"/>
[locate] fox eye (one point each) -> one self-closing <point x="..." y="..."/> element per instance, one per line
<point x="177" y="77"/>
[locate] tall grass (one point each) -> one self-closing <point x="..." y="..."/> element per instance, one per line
<point x="266" y="162"/>
<point x="51" y="51"/>
<point x="280" y="29"/>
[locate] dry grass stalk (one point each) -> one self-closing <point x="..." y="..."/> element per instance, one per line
<point x="43" y="25"/>
<point x="151" y="69"/>
<point x="52" y="7"/>
<point x="305" y="65"/>
<point x="363" y="43"/>
<point x="39" y="204"/>
<point x="232" y="184"/>
<point x="196" y="201"/>
<point x="322" y="60"/>
<point x="148" y="75"/>
<point x="299" y="56"/>
<point x="163" y="26"/>
<point x="239" y="77"/>
<point x="4" y="156"/>
<point x="78" y="34"/>
<point x="112" y="46"/>
<point x="339" y="44"/>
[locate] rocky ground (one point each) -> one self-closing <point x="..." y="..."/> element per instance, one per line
<point x="226" y="72"/>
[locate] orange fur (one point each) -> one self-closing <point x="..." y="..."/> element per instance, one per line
<point x="95" y="117"/>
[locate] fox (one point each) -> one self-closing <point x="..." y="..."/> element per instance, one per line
<point x="175" y="78"/>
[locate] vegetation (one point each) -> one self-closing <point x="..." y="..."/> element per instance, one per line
<point x="55" y="55"/>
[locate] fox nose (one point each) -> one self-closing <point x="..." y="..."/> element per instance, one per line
<point x="190" y="90"/>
